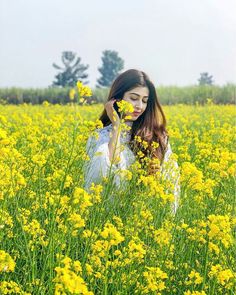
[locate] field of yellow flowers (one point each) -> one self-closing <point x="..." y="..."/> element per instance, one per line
<point x="56" y="238"/>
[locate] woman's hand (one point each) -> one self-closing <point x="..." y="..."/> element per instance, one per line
<point x="111" y="112"/>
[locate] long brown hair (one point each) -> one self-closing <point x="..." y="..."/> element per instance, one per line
<point x="151" y="125"/>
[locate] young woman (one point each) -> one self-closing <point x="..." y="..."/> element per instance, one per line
<point x="147" y="122"/>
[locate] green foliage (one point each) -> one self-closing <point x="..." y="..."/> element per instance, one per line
<point x="112" y="64"/>
<point x="34" y="96"/>
<point x="72" y="71"/>
<point x="168" y="95"/>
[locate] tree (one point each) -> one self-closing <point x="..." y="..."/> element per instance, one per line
<point x="205" y="79"/>
<point x="111" y="65"/>
<point x="72" y="71"/>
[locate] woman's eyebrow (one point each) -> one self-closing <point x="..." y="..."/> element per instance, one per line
<point x="137" y="94"/>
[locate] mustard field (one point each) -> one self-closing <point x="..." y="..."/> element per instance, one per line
<point x="57" y="238"/>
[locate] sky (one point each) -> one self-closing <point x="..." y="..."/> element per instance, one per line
<point x="173" y="41"/>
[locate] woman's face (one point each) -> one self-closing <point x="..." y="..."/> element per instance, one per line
<point x="138" y="97"/>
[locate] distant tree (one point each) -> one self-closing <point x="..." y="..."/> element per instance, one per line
<point x="205" y="79"/>
<point x="111" y="65"/>
<point x="72" y="71"/>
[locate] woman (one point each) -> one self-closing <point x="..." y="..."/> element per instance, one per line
<point x="147" y="122"/>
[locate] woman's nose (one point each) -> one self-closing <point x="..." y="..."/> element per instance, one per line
<point x="139" y="105"/>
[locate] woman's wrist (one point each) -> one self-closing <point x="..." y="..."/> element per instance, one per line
<point x="115" y="126"/>
<point x="114" y="144"/>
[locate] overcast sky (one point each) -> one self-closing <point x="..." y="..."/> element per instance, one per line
<point x="173" y="41"/>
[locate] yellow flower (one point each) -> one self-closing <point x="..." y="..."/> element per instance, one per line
<point x="125" y="107"/>
<point x="154" y="277"/>
<point x="162" y="237"/>
<point x="220" y="229"/>
<point x="11" y="287"/>
<point x="68" y="277"/>
<point x="214" y="247"/>
<point x="39" y="160"/>
<point x="138" y="138"/>
<point x="72" y="94"/>
<point x="82" y="199"/>
<point x="76" y="220"/>
<point x="112" y="234"/>
<point x="126" y="174"/>
<point x="46" y="103"/>
<point x="89" y="268"/>
<point x="195" y="293"/>
<point x="77" y="266"/>
<point x="7" y="264"/>
<point x="223" y="276"/>
<point x="136" y="250"/>
<point x="192" y="176"/>
<point x="87" y="233"/>
<point x="154" y="144"/>
<point x="195" y="277"/>
<point x="117" y="252"/>
<point x="68" y="181"/>
<point x="83" y="90"/>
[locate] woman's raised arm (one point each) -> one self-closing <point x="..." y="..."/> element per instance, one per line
<point x="100" y="163"/>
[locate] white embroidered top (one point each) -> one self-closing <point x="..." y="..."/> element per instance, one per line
<point x="99" y="164"/>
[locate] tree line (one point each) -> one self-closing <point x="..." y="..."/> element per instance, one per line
<point x="73" y="70"/>
<point x="168" y="95"/>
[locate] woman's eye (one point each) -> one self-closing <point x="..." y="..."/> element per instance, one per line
<point x="136" y="99"/>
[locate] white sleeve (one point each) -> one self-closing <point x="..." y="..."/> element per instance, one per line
<point x="171" y="172"/>
<point x="99" y="164"/>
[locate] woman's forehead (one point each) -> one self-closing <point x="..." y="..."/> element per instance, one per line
<point x="141" y="90"/>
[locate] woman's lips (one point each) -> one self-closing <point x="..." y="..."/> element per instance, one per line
<point x="136" y="113"/>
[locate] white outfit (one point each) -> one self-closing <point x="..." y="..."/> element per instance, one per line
<point x="99" y="164"/>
